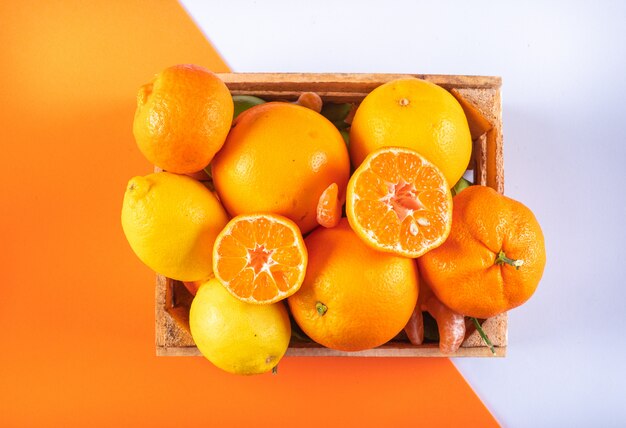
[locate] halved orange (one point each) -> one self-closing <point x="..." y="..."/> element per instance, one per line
<point x="260" y="258"/>
<point x="399" y="202"/>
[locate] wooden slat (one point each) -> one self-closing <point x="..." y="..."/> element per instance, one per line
<point x="495" y="149"/>
<point x="344" y="82"/>
<point x="403" y="350"/>
<point x="478" y="123"/>
<point x="394" y="350"/>
<point x="495" y="159"/>
<point x="292" y="95"/>
<point x="171" y="329"/>
<point x="480" y="160"/>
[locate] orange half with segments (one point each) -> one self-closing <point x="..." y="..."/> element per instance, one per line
<point x="399" y="202"/>
<point x="260" y="258"/>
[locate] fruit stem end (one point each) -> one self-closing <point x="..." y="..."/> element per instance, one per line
<point x="320" y="308"/>
<point x="502" y="259"/>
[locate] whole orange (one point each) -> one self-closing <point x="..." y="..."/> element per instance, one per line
<point x="182" y="118"/>
<point x="418" y="115"/>
<point x="493" y="258"/>
<point x="353" y="297"/>
<point x="280" y="158"/>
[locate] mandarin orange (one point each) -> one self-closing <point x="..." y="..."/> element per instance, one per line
<point x="416" y="114"/>
<point x="353" y="297"/>
<point x="493" y="258"/>
<point x="280" y="158"/>
<point x="182" y="118"/>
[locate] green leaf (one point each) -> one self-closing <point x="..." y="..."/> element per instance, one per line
<point x="336" y="112"/>
<point x="244" y="102"/>
<point x="460" y="186"/>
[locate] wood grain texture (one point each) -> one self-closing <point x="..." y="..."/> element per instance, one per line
<point x="388" y="350"/>
<point x="479" y="153"/>
<point x="345" y="82"/>
<point x="479" y="94"/>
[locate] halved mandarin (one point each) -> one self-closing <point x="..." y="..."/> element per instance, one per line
<point x="399" y="202"/>
<point x="260" y="258"/>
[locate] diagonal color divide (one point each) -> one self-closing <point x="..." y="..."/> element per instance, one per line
<point x="79" y="306"/>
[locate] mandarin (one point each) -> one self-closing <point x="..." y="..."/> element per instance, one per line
<point x="280" y="158"/>
<point x="353" y="297"/>
<point x="493" y="258"/>
<point x="416" y="114"/>
<point x="182" y="118"/>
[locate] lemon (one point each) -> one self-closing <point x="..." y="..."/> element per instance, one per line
<point x="238" y="337"/>
<point x="171" y="222"/>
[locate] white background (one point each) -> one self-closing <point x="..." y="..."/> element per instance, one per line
<point x="563" y="68"/>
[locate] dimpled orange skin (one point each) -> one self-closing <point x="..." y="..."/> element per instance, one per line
<point x="369" y="296"/>
<point x="418" y="115"/>
<point x="182" y="118"/>
<point x="280" y="158"/>
<point x="463" y="272"/>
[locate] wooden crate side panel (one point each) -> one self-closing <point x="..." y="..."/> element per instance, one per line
<point x="488" y="103"/>
<point x="170" y="318"/>
<point x="337" y="87"/>
<point x="402" y="350"/>
<point x="343" y="82"/>
<point x="173" y="337"/>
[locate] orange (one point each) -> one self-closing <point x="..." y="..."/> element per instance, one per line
<point x="353" y="297"/>
<point x="493" y="259"/>
<point x="416" y="114"/>
<point x="260" y="258"/>
<point x="182" y="118"/>
<point x="399" y="202"/>
<point x="280" y="158"/>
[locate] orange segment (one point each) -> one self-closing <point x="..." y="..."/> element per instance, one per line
<point x="399" y="202"/>
<point x="242" y="284"/>
<point x="260" y="258"/>
<point x="329" y="207"/>
<point x="192" y="286"/>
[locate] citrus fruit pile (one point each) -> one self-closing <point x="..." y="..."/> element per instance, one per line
<point x="335" y="220"/>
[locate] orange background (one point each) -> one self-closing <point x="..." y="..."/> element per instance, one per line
<point x="77" y="307"/>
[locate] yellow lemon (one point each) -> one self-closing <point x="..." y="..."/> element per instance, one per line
<point x="238" y="337"/>
<point x="171" y="222"/>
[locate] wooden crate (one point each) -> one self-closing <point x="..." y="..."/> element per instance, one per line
<point x="480" y="96"/>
